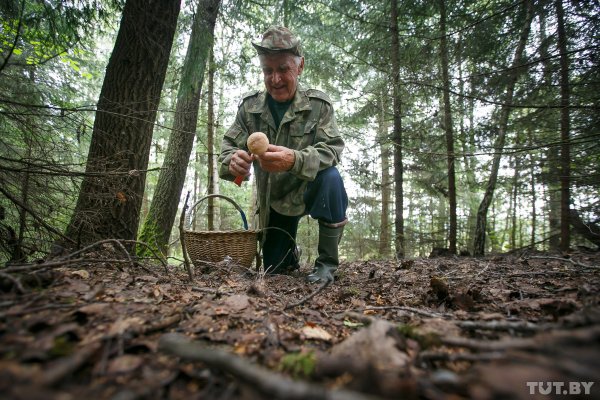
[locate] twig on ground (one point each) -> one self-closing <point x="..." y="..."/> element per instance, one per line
<point x="310" y="296"/>
<point x="487" y="345"/>
<point x="52" y="264"/>
<point x="570" y="260"/>
<point x="216" y="292"/>
<point x="268" y="383"/>
<point x="34" y="310"/>
<point x="158" y="257"/>
<point x="86" y="248"/>
<point x="55" y="372"/>
<point x="365" y="319"/>
<point x="14" y="280"/>
<point x="451" y="357"/>
<point x="517" y="326"/>
<point x="408" y="309"/>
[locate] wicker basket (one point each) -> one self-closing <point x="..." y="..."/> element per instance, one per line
<point x="238" y="246"/>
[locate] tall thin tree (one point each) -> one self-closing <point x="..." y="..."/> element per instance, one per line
<point x="397" y="130"/>
<point x="514" y="71"/>
<point x="163" y="208"/>
<point x="386" y="194"/>
<point x="448" y="128"/>
<point x="565" y="147"/>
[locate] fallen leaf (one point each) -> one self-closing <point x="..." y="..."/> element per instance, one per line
<point x="315" y="332"/>
<point x="94" y="308"/>
<point x="81" y="273"/>
<point x="237" y="302"/>
<point x="121" y="325"/>
<point x="125" y="363"/>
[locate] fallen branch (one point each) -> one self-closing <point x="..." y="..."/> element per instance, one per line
<point x="15" y="281"/>
<point x="548" y="340"/>
<point x="408" y="309"/>
<point x="577" y="264"/>
<point x="310" y="296"/>
<point x="24" y="311"/>
<point x="268" y="383"/>
<point x="34" y="215"/>
<point x="429" y="356"/>
<point x="216" y="292"/>
<point x="487" y="345"/>
<point x="66" y="257"/>
<point x="52" y="264"/>
<point x="517" y="326"/>
<point x="56" y="371"/>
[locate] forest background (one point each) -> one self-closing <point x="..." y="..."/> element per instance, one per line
<point x="471" y="126"/>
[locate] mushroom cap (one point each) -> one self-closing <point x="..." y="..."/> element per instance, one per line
<point x="258" y="143"/>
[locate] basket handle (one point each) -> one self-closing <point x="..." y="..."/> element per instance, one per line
<point x="229" y="199"/>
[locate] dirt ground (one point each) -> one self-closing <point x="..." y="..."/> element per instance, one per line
<point x="518" y="326"/>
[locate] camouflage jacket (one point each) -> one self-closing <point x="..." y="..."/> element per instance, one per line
<point x="308" y="127"/>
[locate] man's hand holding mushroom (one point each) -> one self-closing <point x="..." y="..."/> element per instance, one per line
<point x="277" y="159"/>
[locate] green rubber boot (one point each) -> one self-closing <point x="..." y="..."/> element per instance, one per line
<point x="328" y="260"/>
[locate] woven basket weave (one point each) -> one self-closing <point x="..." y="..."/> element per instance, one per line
<point x="238" y="246"/>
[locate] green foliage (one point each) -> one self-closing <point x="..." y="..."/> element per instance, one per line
<point x="425" y="340"/>
<point x="300" y="365"/>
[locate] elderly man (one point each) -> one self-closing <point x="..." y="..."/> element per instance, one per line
<point x="297" y="174"/>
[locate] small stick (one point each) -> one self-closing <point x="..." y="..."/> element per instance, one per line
<point x="577" y="264"/>
<point x="310" y="296"/>
<point x="408" y="309"/>
<point x="15" y="282"/>
<point x="186" y="260"/>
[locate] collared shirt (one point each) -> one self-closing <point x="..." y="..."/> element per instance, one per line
<point x="308" y="128"/>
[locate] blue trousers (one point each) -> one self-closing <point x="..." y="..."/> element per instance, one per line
<point x="326" y="200"/>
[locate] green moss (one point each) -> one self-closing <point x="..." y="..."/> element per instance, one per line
<point x="425" y="340"/>
<point x="62" y="346"/>
<point x="299" y="365"/>
<point x="351" y="291"/>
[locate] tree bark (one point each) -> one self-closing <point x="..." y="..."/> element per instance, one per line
<point x="480" y="228"/>
<point x="397" y="132"/>
<point x="565" y="147"/>
<point x="386" y="194"/>
<point x="161" y="216"/>
<point x="449" y="130"/>
<point x="110" y="196"/>
<point x="210" y="140"/>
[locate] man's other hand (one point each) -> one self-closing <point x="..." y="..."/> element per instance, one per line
<point x="240" y="163"/>
<point x="277" y="159"/>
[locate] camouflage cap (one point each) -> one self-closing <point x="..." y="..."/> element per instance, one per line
<point x="278" y="39"/>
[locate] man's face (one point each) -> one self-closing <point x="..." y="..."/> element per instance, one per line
<point x="280" y="73"/>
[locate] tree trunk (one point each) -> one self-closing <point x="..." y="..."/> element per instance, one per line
<point x="157" y="227"/>
<point x="210" y="140"/>
<point x="552" y="156"/>
<point x="532" y="184"/>
<point x="397" y="133"/>
<point x="514" y="197"/>
<point x="110" y="196"/>
<point x="448" y="128"/>
<point x="565" y="147"/>
<point x="480" y="228"/>
<point x="386" y="194"/>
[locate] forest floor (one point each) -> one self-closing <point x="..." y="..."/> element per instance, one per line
<point x="508" y="326"/>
